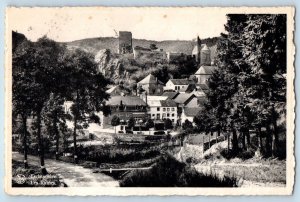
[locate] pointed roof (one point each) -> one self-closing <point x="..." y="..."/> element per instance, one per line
<point x="183" y="97"/>
<point x="150" y="79"/>
<point x="181" y="81"/>
<point x="205" y="48"/>
<point x="206" y="69"/>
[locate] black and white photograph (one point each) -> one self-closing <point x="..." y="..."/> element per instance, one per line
<point x="102" y="99"/>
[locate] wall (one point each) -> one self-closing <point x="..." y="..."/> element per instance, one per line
<point x="125" y="42"/>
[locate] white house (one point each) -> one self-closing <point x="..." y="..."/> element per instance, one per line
<point x="203" y="73"/>
<point x="160" y="108"/>
<point x="177" y="84"/>
<point x="188" y="113"/>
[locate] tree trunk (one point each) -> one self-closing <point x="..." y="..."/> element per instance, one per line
<point x="242" y="132"/>
<point x="268" y="141"/>
<point x="276" y="138"/>
<point x="57" y="137"/>
<point x="75" y="141"/>
<point x="259" y="138"/>
<point x="24" y="119"/>
<point x="228" y="139"/>
<point x="247" y="133"/>
<point x="234" y="140"/>
<point x="41" y="144"/>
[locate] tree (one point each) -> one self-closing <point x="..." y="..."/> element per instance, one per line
<point x="187" y="126"/>
<point x="54" y="118"/>
<point x="153" y="46"/>
<point x="22" y="102"/>
<point x="115" y="121"/>
<point x="131" y="122"/>
<point x="149" y="124"/>
<point x="168" y="124"/>
<point x="86" y="89"/>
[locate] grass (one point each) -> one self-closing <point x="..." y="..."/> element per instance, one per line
<point x="168" y="172"/>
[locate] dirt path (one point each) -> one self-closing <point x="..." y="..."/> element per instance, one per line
<point x="72" y="175"/>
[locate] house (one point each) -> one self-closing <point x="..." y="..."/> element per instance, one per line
<point x="188" y="113"/>
<point x="124" y="107"/>
<point x="151" y="85"/>
<point x="170" y="94"/>
<point x="177" y="84"/>
<point x="204" y="73"/>
<point x="140" y="52"/>
<point x="186" y="100"/>
<point x="160" y="108"/>
<point x="118" y="90"/>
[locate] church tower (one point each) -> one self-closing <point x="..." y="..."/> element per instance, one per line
<point x="197" y="50"/>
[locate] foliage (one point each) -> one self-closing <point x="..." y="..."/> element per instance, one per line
<point x="168" y="172"/>
<point x="168" y="124"/>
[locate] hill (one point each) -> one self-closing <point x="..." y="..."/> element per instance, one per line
<point x="93" y="45"/>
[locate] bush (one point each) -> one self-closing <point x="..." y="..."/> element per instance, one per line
<point x="168" y="172"/>
<point x="118" y="153"/>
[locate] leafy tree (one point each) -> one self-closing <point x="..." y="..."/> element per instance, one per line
<point x="86" y="89"/>
<point x="55" y="119"/>
<point x="131" y="122"/>
<point x="149" y="124"/>
<point x="187" y="126"/>
<point x="153" y="46"/>
<point x="22" y="102"/>
<point x="115" y="121"/>
<point x="168" y="124"/>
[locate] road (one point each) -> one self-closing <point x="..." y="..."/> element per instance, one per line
<point x="72" y="175"/>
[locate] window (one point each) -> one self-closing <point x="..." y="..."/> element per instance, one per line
<point x="168" y="109"/>
<point x="172" y="115"/>
<point x="168" y="115"/>
<point x="164" y="115"/>
<point x="173" y="120"/>
<point x="158" y="116"/>
<point x="164" y="109"/>
<point x="122" y="127"/>
<point x="153" y="114"/>
<point x="158" y="109"/>
<point x="173" y="109"/>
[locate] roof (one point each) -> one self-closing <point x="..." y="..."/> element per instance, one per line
<point x="141" y="48"/>
<point x="117" y="90"/>
<point x="188" y="89"/>
<point x="170" y="95"/>
<point x="205" y="69"/>
<point x="202" y="86"/>
<point x="150" y="79"/>
<point x="205" y="48"/>
<point x="125" y="100"/>
<point x="181" y="81"/>
<point x="183" y="97"/>
<point x="154" y="103"/>
<point x="168" y="103"/>
<point x="188" y="111"/>
<point x="154" y="97"/>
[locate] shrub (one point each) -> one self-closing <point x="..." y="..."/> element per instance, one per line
<point x="168" y="172"/>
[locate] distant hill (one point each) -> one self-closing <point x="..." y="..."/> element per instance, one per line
<point x="93" y="45"/>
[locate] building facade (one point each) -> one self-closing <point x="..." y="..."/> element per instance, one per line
<point x="151" y="85"/>
<point x="124" y="107"/>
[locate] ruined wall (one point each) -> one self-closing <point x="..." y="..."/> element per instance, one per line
<point x="125" y="42"/>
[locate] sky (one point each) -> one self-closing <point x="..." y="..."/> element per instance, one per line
<point x="159" y="24"/>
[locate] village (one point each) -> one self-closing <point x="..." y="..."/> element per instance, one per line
<point x="175" y="102"/>
<point x="128" y="112"/>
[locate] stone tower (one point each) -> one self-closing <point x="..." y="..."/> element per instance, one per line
<point x="197" y="50"/>
<point x="205" y="56"/>
<point x="125" y="42"/>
